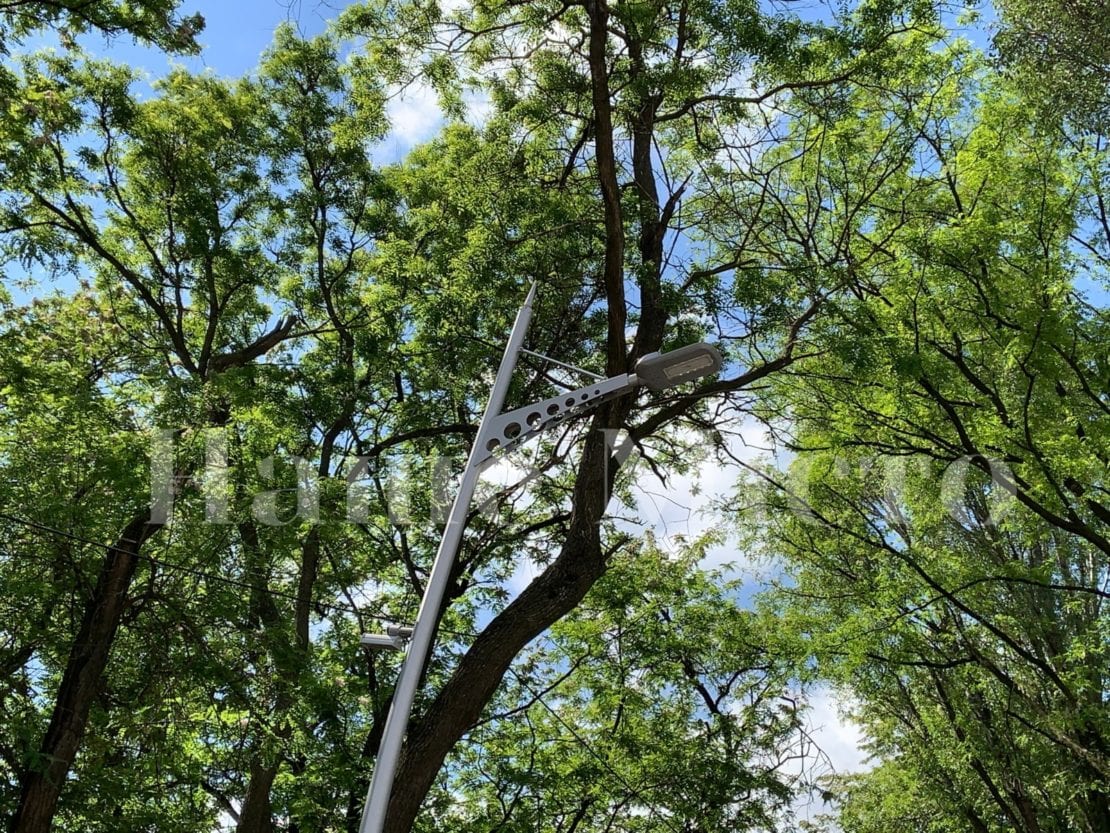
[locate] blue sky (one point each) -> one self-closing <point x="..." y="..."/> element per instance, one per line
<point x="235" y="35"/>
<point x="237" y="32"/>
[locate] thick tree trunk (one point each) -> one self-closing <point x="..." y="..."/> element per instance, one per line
<point x="42" y="783"/>
<point x="582" y="559"/>
<point x="257" y="813"/>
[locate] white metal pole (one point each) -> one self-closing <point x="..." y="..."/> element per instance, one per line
<point x="381" y="782"/>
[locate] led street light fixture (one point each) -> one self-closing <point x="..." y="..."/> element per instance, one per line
<point x="663" y="370"/>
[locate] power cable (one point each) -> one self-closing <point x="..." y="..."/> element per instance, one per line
<point x="182" y="568"/>
<point x="589" y="748"/>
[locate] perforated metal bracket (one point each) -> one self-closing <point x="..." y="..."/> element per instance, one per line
<point x="512" y="428"/>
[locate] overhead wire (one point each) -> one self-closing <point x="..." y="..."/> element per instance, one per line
<point x="652" y="811"/>
<point x="182" y="568"/>
<point x="25" y="522"/>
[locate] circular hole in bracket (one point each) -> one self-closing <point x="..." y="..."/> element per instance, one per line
<point x="533" y="419"/>
<point x="512" y="430"/>
<point x="493" y="444"/>
<point x="552" y="409"/>
<point x="585" y="396"/>
<point x="570" y="401"/>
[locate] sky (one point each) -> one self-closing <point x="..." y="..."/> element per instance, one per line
<point x="235" y="35"/>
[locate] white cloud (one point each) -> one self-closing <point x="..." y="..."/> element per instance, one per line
<point x="414" y="115"/>
<point x="680" y="508"/>
<point x="839" y="749"/>
<point x="836" y="735"/>
<point x="479" y="107"/>
<point x="505" y="472"/>
<point x="675" y="512"/>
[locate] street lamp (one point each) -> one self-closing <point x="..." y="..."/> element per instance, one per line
<point x="498" y="432"/>
<point x="664" y="370"/>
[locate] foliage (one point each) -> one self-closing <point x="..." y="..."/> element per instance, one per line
<point x="1061" y="53"/>
<point x="261" y="321"/>
<point x="654" y="706"/>
<point x="944" y="523"/>
<point x="152" y="21"/>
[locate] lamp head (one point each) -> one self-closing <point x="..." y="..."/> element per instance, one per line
<point x="664" y="370"/>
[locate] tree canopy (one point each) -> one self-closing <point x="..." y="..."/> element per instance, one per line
<point x="229" y="432"/>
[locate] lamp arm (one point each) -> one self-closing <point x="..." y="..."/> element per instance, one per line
<point x="512" y="428"/>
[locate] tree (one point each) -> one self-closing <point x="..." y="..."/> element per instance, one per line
<point x="654" y="706"/>
<point x="150" y="21"/>
<point x="1061" y="54"/>
<point x="580" y="84"/>
<point x="165" y="275"/>
<point x="269" y="292"/>
<point x="945" y="528"/>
